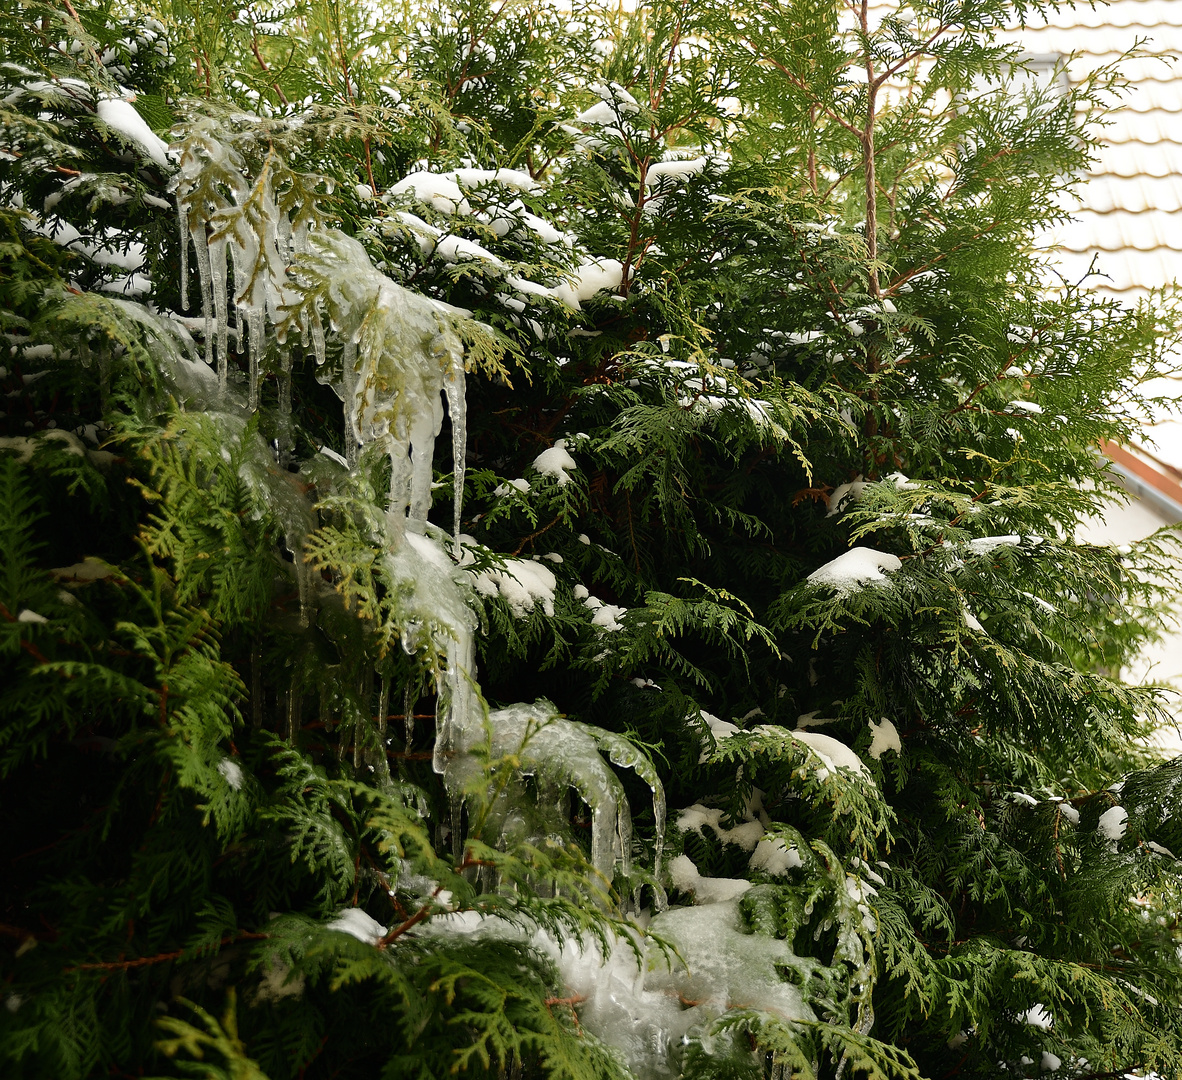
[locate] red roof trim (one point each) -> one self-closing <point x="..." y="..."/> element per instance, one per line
<point x="1159" y="481"/>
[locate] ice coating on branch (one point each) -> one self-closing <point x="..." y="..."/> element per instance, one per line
<point x="395" y="358"/>
<point x="233" y="220"/>
<point x="725" y="968"/>
<point x="405" y="358"/>
<point x="647" y="1006"/>
<point x="857" y="567"/>
<point x="983" y="545"/>
<point x="565" y="754"/>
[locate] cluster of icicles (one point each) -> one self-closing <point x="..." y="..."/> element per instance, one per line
<point x="401" y="358"/>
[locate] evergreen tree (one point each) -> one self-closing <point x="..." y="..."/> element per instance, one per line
<point x="437" y="443"/>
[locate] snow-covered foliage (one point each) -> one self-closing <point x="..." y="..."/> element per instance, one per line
<point x="453" y="466"/>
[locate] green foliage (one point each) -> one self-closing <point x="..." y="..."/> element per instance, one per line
<point x="728" y="290"/>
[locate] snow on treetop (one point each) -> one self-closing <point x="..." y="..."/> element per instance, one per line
<point x="857" y="567"/>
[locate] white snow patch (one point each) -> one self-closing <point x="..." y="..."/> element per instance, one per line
<point x="720" y="729"/>
<point x="587" y="279"/>
<point x="1027" y="406"/>
<point x="606" y="616"/>
<point x="27" y="615"/>
<point x="970" y="620"/>
<point x="845" y="494"/>
<point x="885" y="737"/>
<point x="1113" y="823"/>
<point x="774" y="857"/>
<point x="660" y="170"/>
<point x="857" y="567"/>
<point x="1037" y="1016"/>
<point x="745" y="835"/>
<point x="522" y="582"/>
<point x="232" y="772"/>
<point x="556" y="463"/>
<point x="435" y="190"/>
<point x="121" y="116"/>
<point x="833" y="753"/>
<point x="454" y="249"/>
<point x="706" y="890"/>
<point x="359" y="924"/>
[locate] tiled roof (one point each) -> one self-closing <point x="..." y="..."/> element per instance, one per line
<point x="1129" y="212"/>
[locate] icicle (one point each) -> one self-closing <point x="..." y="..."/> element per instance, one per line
<point x="420" y="478"/>
<point x="456" y="803"/>
<point x="319" y="348"/>
<point x="219" y="281"/>
<point x="183" y="222"/>
<point x="452" y="732"/>
<point x="104" y="370"/>
<point x="659" y="812"/>
<point x="294" y="706"/>
<point x="255" y="323"/>
<point x="303" y="586"/>
<point x="256" y="686"/>
<point x="205" y="277"/>
<point x="453" y="388"/>
<point x="624" y="835"/>
<point x="400" y="483"/>
<point x="381" y="761"/>
<point x="408" y="714"/>
<point x="286" y="441"/>
<point x="349" y="381"/>
<point x="603" y="837"/>
<point x="862" y="1027"/>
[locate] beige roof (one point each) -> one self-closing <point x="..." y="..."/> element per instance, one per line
<point x="1128" y="217"/>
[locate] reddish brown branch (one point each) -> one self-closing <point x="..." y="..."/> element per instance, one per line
<point x="160" y="958"/>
